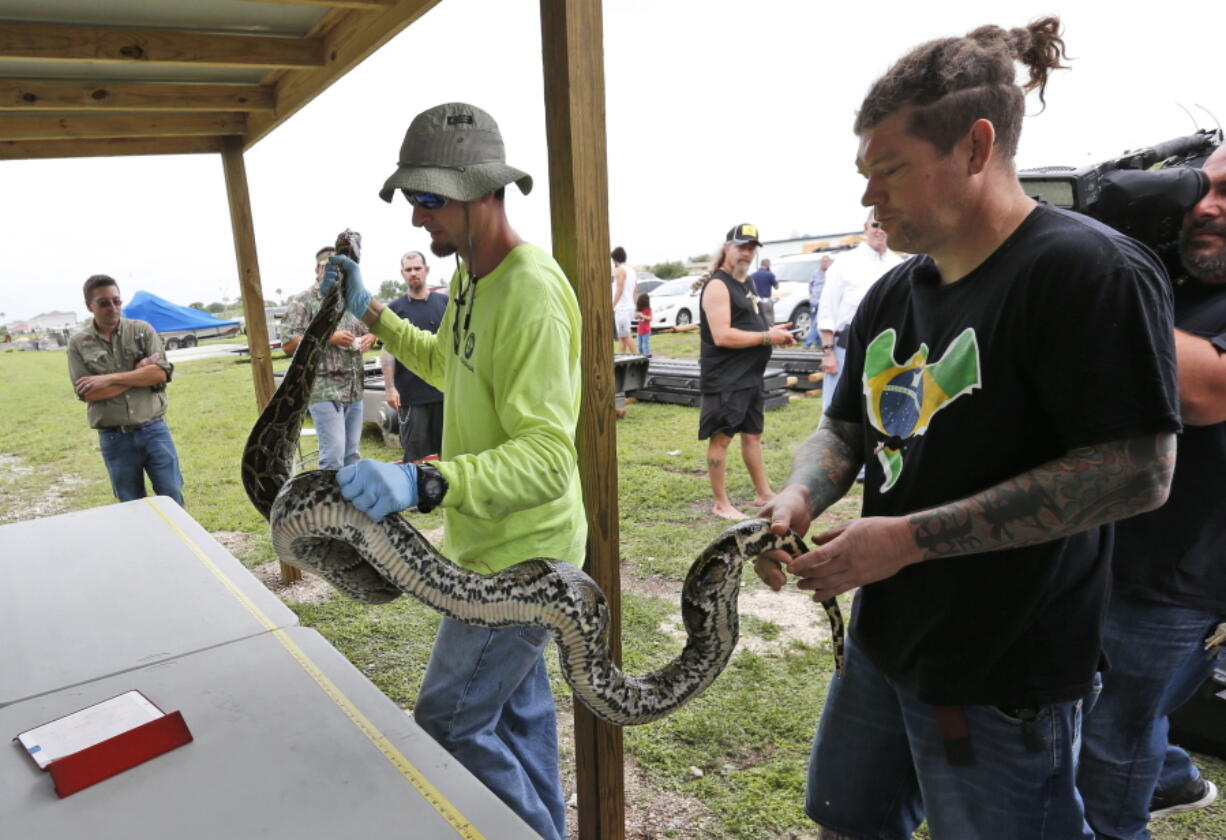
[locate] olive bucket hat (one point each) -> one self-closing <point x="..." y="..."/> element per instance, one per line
<point x="454" y="150"/>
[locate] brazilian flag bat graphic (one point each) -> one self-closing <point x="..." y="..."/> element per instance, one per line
<point x="903" y="397"/>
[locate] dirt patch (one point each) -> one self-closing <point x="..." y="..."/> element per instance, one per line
<point x="20" y="504"/>
<point x="309" y="589"/>
<point x="650" y="813"/>
<point x="792" y="611"/>
<point x="238" y="543"/>
<point x="694" y="471"/>
<point x="653" y="585"/>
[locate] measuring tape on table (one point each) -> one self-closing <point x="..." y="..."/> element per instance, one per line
<point x="380" y="741"/>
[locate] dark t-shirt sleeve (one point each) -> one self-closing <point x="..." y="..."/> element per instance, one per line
<point x="1103" y="355"/>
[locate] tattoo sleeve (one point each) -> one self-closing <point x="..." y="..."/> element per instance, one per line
<point x="827" y="462"/>
<point x="1087" y="487"/>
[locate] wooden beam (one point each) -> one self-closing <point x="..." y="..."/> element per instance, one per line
<point x="47" y="42"/>
<point x="354" y="37"/>
<point x="35" y="149"/>
<point x="90" y="126"/>
<point x="347" y="4"/>
<point x="38" y="95"/>
<point x="572" y="43"/>
<point x="249" y="282"/>
<point x="243" y="227"/>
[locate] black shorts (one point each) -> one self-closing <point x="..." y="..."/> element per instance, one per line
<point x="731" y="412"/>
<point x="421" y="430"/>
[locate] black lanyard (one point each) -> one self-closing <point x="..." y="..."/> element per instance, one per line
<point x="468" y="305"/>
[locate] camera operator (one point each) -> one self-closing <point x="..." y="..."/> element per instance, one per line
<point x="1169" y="568"/>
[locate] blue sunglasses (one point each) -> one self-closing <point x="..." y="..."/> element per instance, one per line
<point x="425" y="200"/>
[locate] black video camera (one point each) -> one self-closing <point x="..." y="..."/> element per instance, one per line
<point x="1143" y="193"/>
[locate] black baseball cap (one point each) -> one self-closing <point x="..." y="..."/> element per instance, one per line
<point x="742" y="234"/>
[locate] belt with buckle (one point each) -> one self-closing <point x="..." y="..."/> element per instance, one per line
<point x="123" y="430"/>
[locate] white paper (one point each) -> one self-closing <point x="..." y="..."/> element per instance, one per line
<point x="87" y="727"/>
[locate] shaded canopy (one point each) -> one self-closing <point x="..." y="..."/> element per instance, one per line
<point x="133" y="77"/>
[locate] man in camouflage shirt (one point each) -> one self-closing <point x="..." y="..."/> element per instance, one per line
<point x="336" y="399"/>
<point x="117" y="369"/>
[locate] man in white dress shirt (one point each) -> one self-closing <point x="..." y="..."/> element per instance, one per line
<point x="851" y="275"/>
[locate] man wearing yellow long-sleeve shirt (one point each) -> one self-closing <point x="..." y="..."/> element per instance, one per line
<point x="506" y="357"/>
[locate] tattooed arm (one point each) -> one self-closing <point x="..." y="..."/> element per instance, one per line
<point x="826" y="464"/>
<point x="1087" y="487"/>
<point x="823" y="470"/>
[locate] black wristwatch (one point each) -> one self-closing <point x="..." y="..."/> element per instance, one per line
<point x="431" y="488"/>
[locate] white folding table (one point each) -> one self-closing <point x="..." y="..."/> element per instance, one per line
<point x="290" y="740"/>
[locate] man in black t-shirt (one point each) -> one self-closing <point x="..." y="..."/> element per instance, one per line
<point x="982" y="558"/>
<point x="419" y="405"/>
<point x="736" y="345"/>
<point x="1169" y="568"/>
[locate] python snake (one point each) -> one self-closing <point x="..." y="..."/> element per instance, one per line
<point x="315" y="528"/>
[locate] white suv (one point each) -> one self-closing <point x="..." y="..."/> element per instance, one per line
<point x="792" y="296"/>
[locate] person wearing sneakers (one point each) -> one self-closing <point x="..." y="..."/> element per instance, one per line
<point x="736" y="345"/>
<point x="1169" y="568"/>
<point x="506" y="357"/>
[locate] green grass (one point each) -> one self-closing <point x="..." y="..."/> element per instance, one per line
<point x="749" y="733"/>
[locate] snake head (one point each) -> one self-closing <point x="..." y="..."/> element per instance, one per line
<point x="754" y="536"/>
<point x="349" y="243"/>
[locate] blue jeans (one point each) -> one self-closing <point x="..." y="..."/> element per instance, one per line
<point x="811" y="340"/>
<point x="486" y="699"/>
<point x="829" y="380"/>
<point x="1157" y="661"/>
<point x="878" y="767"/>
<point x="644" y="344"/>
<point x="130" y="455"/>
<point x="338" y="427"/>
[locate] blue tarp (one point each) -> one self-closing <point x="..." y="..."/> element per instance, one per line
<point x="169" y="317"/>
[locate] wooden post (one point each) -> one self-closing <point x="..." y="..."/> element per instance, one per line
<point x="572" y="44"/>
<point x="249" y="283"/>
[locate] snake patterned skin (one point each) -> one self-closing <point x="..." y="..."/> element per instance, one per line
<point x="315" y="528"/>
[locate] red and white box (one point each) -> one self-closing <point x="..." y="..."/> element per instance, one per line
<point x="99" y="741"/>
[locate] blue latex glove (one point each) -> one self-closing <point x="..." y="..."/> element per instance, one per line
<point x="356" y="296"/>
<point x="377" y="488"/>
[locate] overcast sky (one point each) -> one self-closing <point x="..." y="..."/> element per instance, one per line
<point x="718" y="112"/>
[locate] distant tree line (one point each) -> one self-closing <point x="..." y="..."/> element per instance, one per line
<point x="668" y="270"/>
<point x="389" y="289"/>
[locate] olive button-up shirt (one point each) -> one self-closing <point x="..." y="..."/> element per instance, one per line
<point x="89" y="354"/>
